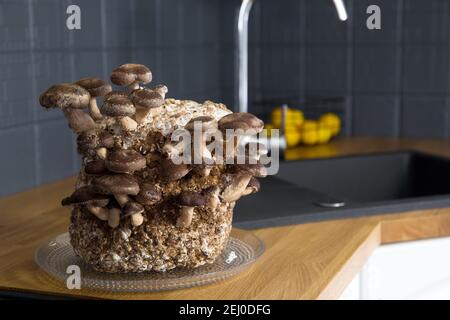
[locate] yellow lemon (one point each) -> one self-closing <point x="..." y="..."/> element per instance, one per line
<point x="332" y="122"/>
<point x="294" y="117"/>
<point x="309" y="132"/>
<point x="293" y="136"/>
<point x="323" y="133"/>
<point x="267" y="129"/>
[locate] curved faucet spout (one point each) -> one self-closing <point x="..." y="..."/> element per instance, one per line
<point x="242" y="43"/>
<point x="244" y="13"/>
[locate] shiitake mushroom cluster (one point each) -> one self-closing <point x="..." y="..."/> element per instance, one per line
<point x="127" y="172"/>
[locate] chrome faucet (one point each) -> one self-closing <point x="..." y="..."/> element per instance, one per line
<point x="242" y="39"/>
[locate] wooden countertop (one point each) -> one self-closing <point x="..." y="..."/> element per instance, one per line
<point x="309" y="261"/>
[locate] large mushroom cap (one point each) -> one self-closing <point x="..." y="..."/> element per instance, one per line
<point x="129" y="73"/>
<point x="91" y="139"/>
<point x="117" y="104"/>
<point x="116" y="184"/>
<point x="241" y="120"/>
<point x="132" y="208"/>
<point x="96" y="86"/>
<point x="86" y="195"/>
<point x="146" y="98"/>
<point x="95" y="167"/>
<point x="148" y="194"/>
<point x="206" y="122"/>
<point x="191" y="199"/>
<point x="125" y="161"/>
<point x="64" y="96"/>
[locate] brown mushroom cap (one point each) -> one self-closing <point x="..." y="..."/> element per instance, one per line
<point x="96" y="86"/>
<point x="207" y="122"/>
<point x="95" y="167"/>
<point x="116" y="184"/>
<point x="84" y="196"/>
<point x="146" y="98"/>
<point x="132" y="208"/>
<point x="257" y="170"/>
<point x="64" y="96"/>
<point x="241" y="120"/>
<point x="125" y="161"/>
<point x="117" y="104"/>
<point x="191" y="199"/>
<point x="148" y="194"/>
<point x="129" y="73"/>
<point x="91" y="139"/>
<point x="172" y="171"/>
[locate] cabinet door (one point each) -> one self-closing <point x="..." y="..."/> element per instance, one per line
<point x="409" y="270"/>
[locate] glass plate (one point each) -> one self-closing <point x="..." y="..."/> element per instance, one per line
<point x="242" y="250"/>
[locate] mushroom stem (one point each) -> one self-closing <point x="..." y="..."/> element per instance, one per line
<point x="94" y="110"/>
<point x="122" y="199"/>
<point x="79" y="121"/>
<point x="99" y="212"/>
<point x="185" y="218"/>
<point x="114" y="217"/>
<point x="141" y="114"/>
<point x="236" y="189"/>
<point x="133" y="86"/>
<point x="102" y="153"/>
<point x="128" y="123"/>
<point x="137" y="219"/>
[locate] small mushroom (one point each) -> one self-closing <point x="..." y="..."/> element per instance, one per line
<point x="148" y="194"/>
<point x="203" y="169"/>
<point x="253" y="186"/>
<point x="162" y="90"/>
<point x="131" y="75"/>
<point x="172" y="171"/>
<point x="95" y="167"/>
<point x="97" y="88"/>
<point x="114" y="217"/>
<point x="72" y="99"/>
<point x="125" y="161"/>
<point x="241" y="121"/>
<point x="188" y="200"/>
<point x="236" y="188"/>
<point x="212" y="194"/>
<point x="95" y="203"/>
<point x="134" y="210"/>
<point x="200" y="149"/>
<point x="117" y="104"/>
<point x="119" y="185"/>
<point x="96" y="140"/>
<point x="145" y="100"/>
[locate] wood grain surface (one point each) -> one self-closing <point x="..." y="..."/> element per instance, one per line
<point x="308" y="261"/>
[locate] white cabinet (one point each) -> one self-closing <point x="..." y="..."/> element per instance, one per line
<point x="408" y="270"/>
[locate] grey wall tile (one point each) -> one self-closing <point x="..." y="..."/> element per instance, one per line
<point x="200" y="69"/>
<point x="327" y="69"/>
<point x="14" y="26"/>
<point x="390" y="31"/>
<point x="375" y="69"/>
<point x="146" y="17"/>
<point x="55" y="154"/>
<point x="171" y="19"/>
<point x="281" y="22"/>
<point x="424" y="116"/>
<point x="87" y="64"/>
<point x="323" y="25"/>
<point x="376" y="115"/>
<point x="172" y="71"/>
<point x="425" y="21"/>
<point x="16" y="88"/>
<point x="90" y="34"/>
<point x="17" y="169"/>
<point x="120" y="18"/>
<point x="425" y="69"/>
<point x="280" y="68"/>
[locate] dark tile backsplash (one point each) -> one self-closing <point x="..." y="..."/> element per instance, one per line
<point x="395" y="81"/>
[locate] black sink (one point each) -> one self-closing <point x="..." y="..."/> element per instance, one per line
<point x="367" y="184"/>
